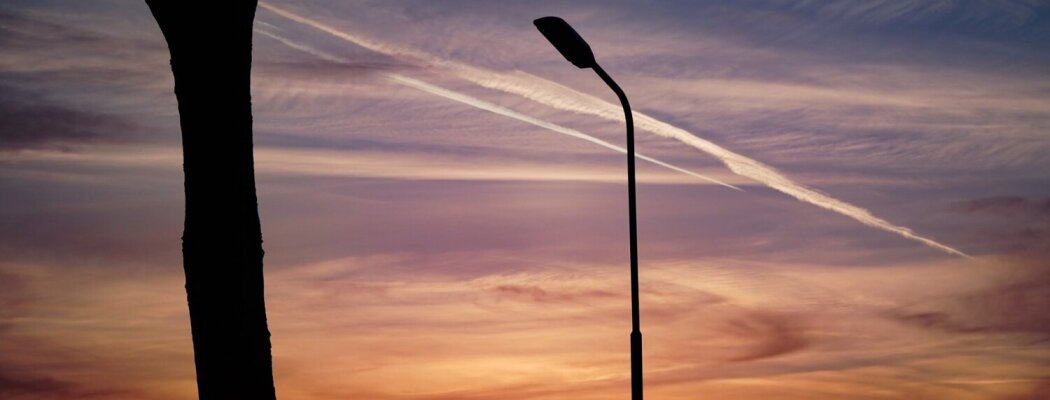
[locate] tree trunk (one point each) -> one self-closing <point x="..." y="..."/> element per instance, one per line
<point x="211" y="55"/>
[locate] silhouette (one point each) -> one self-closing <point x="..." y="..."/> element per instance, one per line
<point x="572" y="46"/>
<point x="211" y="55"/>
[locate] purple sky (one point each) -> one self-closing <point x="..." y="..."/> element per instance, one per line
<point x="444" y="217"/>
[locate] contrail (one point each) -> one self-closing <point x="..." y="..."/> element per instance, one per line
<point x="490" y="107"/>
<point x="546" y="92"/>
<point x="484" y="105"/>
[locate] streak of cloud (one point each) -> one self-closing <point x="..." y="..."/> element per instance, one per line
<point x="31" y="121"/>
<point x="493" y="108"/>
<point x="775" y="335"/>
<point x="484" y="105"/>
<point x="545" y="92"/>
<point x="1008" y="13"/>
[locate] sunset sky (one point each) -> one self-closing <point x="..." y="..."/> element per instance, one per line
<point x="849" y="200"/>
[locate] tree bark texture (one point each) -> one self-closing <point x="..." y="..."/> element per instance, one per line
<point x="211" y="55"/>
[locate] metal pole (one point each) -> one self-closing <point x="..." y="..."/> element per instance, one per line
<point x="636" y="331"/>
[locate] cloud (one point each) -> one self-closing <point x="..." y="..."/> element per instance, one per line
<point x="562" y="97"/>
<point x="319" y="163"/>
<point x="544" y="124"/>
<point x="20" y="386"/>
<point x="415" y="274"/>
<point x="1013" y="307"/>
<point x="1006" y="205"/>
<point x="484" y="105"/>
<point x="774" y="335"/>
<point x="1041" y="391"/>
<point x="33" y="387"/>
<point x="1002" y="14"/>
<point x="28" y="31"/>
<point x="70" y="340"/>
<point x="69" y="78"/>
<point x="1015" y="225"/>
<point x="29" y="120"/>
<point x="540" y="295"/>
<point x="565" y="98"/>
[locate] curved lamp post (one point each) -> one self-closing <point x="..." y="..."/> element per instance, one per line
<point x="575" y="49"/>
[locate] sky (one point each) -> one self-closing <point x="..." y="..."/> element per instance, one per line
<point x="839" y="200"/>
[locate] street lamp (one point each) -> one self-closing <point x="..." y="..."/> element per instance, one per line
<point x="575" y="49"/>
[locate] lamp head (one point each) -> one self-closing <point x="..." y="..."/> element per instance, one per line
<point x="567" y="41"/>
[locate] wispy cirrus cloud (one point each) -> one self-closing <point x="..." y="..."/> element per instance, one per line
<point x="775" y="335"/>
<point x="490" y="107"/>
<point x="1002" y="13"/>
<point x="1010" y="205"/>
<point x="419" y="256"/>
<point x="29" y="121"/>
<point x="561" y="97"/>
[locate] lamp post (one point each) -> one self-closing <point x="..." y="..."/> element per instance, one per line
<point x="575" y="49"/>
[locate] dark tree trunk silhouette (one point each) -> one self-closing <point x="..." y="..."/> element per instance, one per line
<point x="211" y="55"/>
